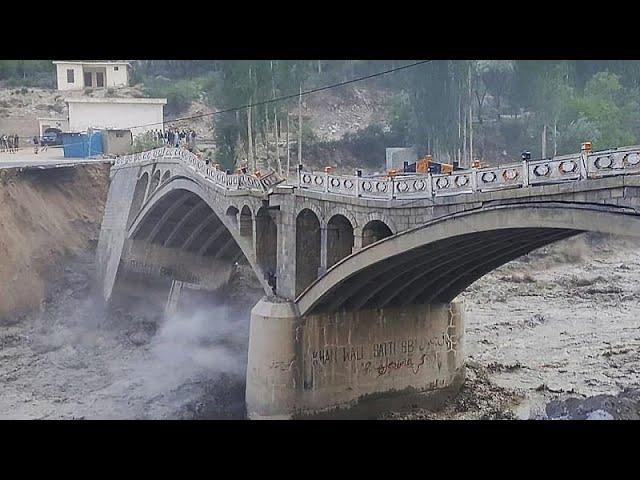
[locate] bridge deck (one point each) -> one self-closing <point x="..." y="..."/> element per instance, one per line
<point x="51" y="158"/>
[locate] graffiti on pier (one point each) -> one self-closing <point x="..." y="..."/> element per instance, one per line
<point x="380" y="359"/>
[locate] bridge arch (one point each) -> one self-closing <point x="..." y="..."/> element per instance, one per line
<point x="155" y="181"/>
<point x="340" y="239"/>
<point x="182" y="214"/>
<point x="165" y="176"/>
<point x="246" y="223"/>
<point x="138" y="196"/>
<point x="232" y="215"/>
<point x="435" y="262"/>
<point x="308" y="246"/>
<point x="374" y="231"/>
<point x="345" y="213"/>
<point x="267" y="244"/>
<point x="380" y="217"/>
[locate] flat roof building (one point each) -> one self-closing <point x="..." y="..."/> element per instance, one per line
<point x="136" y="114"/>
<point x="76" y="75"/>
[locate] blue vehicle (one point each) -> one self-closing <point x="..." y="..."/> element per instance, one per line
<point x="51" y="137"/>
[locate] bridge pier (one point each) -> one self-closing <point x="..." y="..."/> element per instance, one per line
<point x="352" y="364"/>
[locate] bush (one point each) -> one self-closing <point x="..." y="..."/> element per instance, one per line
<point x="145" y="142"/>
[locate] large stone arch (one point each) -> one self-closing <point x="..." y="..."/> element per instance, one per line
<point x="438" y="260"/>
<point x="308" y="247"/>
<point x="201" y="227"/>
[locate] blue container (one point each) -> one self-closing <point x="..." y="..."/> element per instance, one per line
<point x="82" y="145"/>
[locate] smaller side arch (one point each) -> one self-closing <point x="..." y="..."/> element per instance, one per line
<point x="308" y="248"/>
<point x="155" y="181"/>
<point x="340" y="239"/>
<point x="380" y="217"/>
<point x="246" y="223"/>
<point x="138" y="197"/>
<point x="345" y="213"/>
<point x="166" y="176"/>
<point x="314" y="209"/>
<point x="232" y="214"/>
<point x="374" y="231"/>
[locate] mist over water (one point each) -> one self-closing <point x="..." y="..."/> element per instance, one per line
<point x="127" y="361"/>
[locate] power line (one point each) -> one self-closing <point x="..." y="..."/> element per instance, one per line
<point x="279" y="99"/>
<point x="293" y="95"/>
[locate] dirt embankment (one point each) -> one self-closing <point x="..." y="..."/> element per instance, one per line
<point x="44" y="216"/>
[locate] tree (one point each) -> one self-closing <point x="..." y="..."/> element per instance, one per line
<point x="611" y="108"/>
<point x="497" y="76"/>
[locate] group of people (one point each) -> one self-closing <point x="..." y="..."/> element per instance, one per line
<point x="176" y="138"/>
<point x="9" y="143"/>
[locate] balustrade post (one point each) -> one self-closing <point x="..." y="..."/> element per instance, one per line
<point x="430" y="191"/>
<point x="525" y="173"/>
<point x="299" y="175"/>
<point x="393" y="188"/>
<point x="326" y="182"/>
<point x="358" y="178"/>
<point x="474" y="180"/>
<point x="584" y="170"/>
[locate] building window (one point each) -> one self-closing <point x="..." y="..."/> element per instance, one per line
<point x="99" y="79"/>
<point x="87" y="79"/>
<point x="115" y="69"/>
<point x="70" y="75"/>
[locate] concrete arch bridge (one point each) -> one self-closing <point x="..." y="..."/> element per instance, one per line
<point x="360" y="273"/>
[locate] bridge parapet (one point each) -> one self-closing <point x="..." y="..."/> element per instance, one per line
<point x="216" y="176"/>
<point x="568" y="168"/>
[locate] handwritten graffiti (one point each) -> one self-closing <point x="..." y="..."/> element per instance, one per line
<point x="384" y="358"/>
<point x="390" y="365"/>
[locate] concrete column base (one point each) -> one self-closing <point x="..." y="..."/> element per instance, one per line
<point x="352" y="364"/>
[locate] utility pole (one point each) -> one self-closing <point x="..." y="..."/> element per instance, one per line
<point x="470" y="120"/>
<point x="251" y="158"/>
<point x="249" y="134"/>
<point x="300" y="128"/>
<point x="288" y="148"/>
<point x="275" y="126"/>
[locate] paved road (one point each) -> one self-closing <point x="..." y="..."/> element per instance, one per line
<point x="52" y="158"/>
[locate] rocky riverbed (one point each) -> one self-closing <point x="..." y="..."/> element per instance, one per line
<point x="555" y="334"/>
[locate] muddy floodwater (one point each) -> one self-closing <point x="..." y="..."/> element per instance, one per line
<point x="555" y="334"/>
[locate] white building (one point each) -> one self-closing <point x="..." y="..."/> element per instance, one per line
<point x="78" y="75"/>
<point x="136" y="114"/>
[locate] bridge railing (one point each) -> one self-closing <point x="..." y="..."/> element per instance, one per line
<point x="219" y="177"/>
<point x="567" y="168"/>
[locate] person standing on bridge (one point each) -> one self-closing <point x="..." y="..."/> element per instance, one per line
<point x="35" y="144"/>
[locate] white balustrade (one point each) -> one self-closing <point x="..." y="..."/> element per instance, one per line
<point x="568" y="168"/>
<point x="218" y="177"/>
